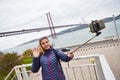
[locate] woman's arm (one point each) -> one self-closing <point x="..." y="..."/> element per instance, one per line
<point x="36" y="60"/>
<point x="63" y="56"/>
<point x="35" y="64"/>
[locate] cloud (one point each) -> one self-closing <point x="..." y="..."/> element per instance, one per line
<point x="15" y="12"/>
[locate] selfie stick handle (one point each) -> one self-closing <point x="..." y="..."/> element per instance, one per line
<point x="97" y="34"/>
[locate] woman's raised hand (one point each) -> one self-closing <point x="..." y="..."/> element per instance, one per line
<point x="35" y="52"/>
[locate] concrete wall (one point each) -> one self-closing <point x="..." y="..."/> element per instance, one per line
<point x="111" y="52"/>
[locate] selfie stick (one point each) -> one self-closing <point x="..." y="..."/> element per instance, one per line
<point x="97" y="34"/>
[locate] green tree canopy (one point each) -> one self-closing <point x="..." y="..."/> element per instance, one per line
<point x="1" y="55"/>
<point x="27" y="54"/>
<point x="8" y="61"/>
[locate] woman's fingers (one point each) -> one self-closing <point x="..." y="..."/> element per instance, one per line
<point x="35" y="52"/>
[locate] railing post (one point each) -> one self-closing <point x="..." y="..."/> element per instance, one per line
<point x="99" y="69"/>
<point x="106" y="69"/>
<point x="18" y="73"/>
<point x="24" y="72"/>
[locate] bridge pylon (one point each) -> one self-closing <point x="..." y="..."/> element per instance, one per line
<point x="51" y="26"/>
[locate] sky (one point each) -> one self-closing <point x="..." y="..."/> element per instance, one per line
<point x="29" y="14"/>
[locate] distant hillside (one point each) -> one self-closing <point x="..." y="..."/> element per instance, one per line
<point x="1" y="54"/>
<point x="117" y="17"/>
<point x="82" y="26"/>
<point x="111" y="19"/>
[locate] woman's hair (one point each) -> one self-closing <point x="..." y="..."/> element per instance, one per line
<point x="41" y="50"/>
<point x="40" y="46"/>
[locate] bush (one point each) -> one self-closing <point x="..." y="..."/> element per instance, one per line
<point x="7" y="62"/>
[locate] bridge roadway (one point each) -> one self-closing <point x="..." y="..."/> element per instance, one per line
<point x="24" y="31"/>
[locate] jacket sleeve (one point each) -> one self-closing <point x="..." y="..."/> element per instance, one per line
<point x="62" y="56"/>
<point x="35" y="64"/>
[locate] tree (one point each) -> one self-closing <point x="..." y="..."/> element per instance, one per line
<point x="27" y="54"/>
<point x="8" y="61"/>
<point x="1" y="55"/>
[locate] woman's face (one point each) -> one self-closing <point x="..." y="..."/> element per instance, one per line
<point x="45" y="44"/>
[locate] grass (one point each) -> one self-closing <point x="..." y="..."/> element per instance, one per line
<point x="27" y="61"/>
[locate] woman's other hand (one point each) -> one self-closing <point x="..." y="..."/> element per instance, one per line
<point x="35" y="52"/>
<point x="70" y="55"/>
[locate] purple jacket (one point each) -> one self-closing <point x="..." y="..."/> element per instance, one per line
<point x="51" y="68"/>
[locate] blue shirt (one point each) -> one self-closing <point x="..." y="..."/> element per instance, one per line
<point x="51" y="68"/>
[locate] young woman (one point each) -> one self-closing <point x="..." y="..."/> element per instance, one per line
<point x="48" y="59"/>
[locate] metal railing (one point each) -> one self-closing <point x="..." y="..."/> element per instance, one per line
<point x="96" y="69"/>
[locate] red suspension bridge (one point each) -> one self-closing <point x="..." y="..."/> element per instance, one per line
<point x="51" y="27"/>
<point x="10" y="33"/>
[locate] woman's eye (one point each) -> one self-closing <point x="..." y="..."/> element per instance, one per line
<point x="43" y="43"/>
<point x="46" y="41"/>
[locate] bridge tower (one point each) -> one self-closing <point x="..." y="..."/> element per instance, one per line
<point x="51" y="26"/>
